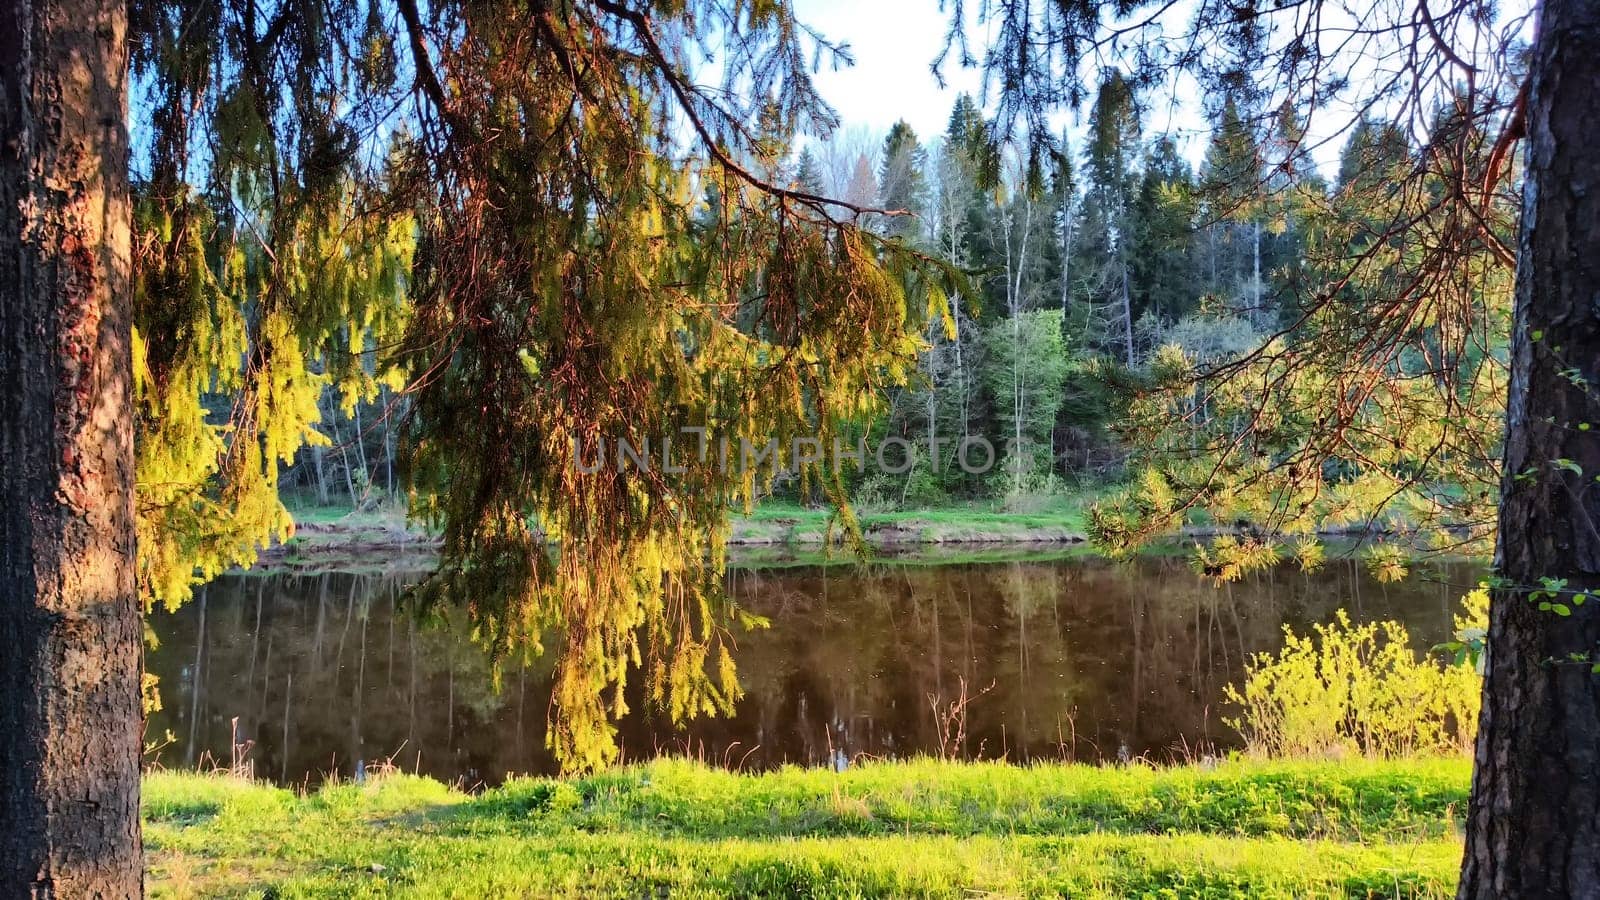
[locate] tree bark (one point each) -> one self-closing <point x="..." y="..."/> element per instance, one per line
<point x="1533" y="826"/>
<point x="322" y="475"/>
<point x="69" y="618"/>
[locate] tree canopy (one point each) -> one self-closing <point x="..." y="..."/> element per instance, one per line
<point x="526" y="239"/>
<point x="540" y="228"/>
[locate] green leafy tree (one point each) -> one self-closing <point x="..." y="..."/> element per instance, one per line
<point x="1027" y="367"/>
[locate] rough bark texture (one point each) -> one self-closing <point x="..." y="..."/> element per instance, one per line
<point x="69" y="618"/>
<point x="1534" y="823"/>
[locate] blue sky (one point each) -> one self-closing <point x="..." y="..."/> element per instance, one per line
<point x="894" y="41"/>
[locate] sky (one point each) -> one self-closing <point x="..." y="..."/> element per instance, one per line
<point x="894" y="41"/>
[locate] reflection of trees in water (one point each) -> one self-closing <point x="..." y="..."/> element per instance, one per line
<point x="322" y="671"/>
<point x="1086" y="658"/>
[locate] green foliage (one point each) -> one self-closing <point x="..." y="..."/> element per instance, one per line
<point x="1232" y="174"/>
<point x="902" y="184"/>
<point x="1027" y="367"/>
<point x="1227" y="557"/>
<point x="1163" y="265"/>
<point x="1359" y="690"/>
<point x="1377" y="404"/>
<point x="1471" y="630"/>
<point x="528" y="247"/>
<point x="635" y="578"/>
<point x="233" y="347"/>
<point x="1114" y="128"/>
<point x="266" y="264"/>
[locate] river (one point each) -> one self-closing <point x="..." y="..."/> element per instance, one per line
<point x="1058" y="656"/>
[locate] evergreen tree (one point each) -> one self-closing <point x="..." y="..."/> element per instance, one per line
<point x="1384" y="413"/>
<point x="444" y="203"/>
<point x="1232" y="174"/>
<point x="1108" y="226"/>
<point x="808" y="174"/>
<point x="1232" y="179"/>
<point x="1163" y="270"/>
<point x="1374" y="153"/>
<point x="975" y="170"/>
<point x="1294" y="192"/>
<point x="902" y="181"/>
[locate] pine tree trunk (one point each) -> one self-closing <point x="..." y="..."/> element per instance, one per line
<point x="361" y="456"/>
<point x="69" y="617"/>
<point x="1127" y="306"/>
<point x="1534" y="823"/>
<point x="1257" y="313"/>
<point x="320" y="467"/>
<point x="388" y="450"/>
<point x="932" y="399"/>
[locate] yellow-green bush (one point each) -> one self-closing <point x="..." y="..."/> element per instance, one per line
<point x="1358" y="689"/>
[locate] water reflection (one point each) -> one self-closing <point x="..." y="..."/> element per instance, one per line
<point x="1065" y="658"/>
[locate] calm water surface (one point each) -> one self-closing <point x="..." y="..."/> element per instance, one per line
<point x="1059" y="658"/>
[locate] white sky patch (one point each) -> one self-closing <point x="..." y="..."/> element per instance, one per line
<point x="894" y="42"/>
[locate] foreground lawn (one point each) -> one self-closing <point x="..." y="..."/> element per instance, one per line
<point x="896" y="829"/>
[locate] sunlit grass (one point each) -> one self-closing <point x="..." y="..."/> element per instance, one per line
<point x="920" y="828"/>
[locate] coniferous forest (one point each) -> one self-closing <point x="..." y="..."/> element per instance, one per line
<point x="1104" y="294"/>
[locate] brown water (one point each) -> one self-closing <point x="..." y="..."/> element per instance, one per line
<point x="1058" y="658"/>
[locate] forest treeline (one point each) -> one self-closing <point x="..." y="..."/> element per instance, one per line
<point x="1116" y="267"/>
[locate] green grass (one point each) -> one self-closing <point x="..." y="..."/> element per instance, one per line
<point x="331" y="539"/>
<point x="775" y="521"/>
<point x="777" y="533"/>
<point x="387" y="518"/>
<point x="924" y="828"/>
<point x="782" y="556"/>
<point x="1056" y="519"/>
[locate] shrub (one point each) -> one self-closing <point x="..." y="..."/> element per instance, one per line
<point x="1357" y="689"/>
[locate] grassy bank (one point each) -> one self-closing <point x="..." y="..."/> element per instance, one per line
<point x="337" y="537"/>
<point x="925" y="828"/>
<point x="1059" y="520"/>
